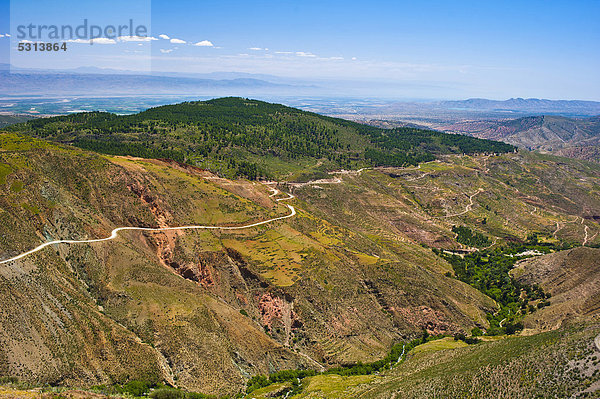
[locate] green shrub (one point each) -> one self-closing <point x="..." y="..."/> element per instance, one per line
<point x="471" y="340"/>
<point x="511" y="328"/>
<point x="168" y="393"/>
<point x="136" y="388"/>
<point x="466" y="236"/>
<point x="459" y="337"/>
<point x="8" y="380"/>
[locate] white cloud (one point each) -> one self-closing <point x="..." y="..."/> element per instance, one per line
<point x="304" y="54"/>
<point x="204" y="43"/>
<point x="353" y="58"/>
<point x="136" y="38"/>
<point x="178" y="41"/>
<point x="258" y="49"/>
<point x="165" y="51"/>
<point x="336" y="58"/>
<point x="284" y="52"/>
<point x="163" y="36"/>
<point x="100" y="40"/>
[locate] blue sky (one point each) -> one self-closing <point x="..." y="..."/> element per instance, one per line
<point x="450" y="49"/>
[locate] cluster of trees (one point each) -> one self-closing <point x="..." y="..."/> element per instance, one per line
<point x="406" y="139"/>
<point x="154" y="390"/>
<point x="466" y="236"/>
<point x="468" y="340"/>
<point x="246" y="169"/>
<point x="380" y="158"/>
<point x="142" y="150"/>
<point x="219" y="128"/>
<point x="488" y="271"/>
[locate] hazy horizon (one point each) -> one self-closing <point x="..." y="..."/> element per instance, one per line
<point x="434" y="50"/>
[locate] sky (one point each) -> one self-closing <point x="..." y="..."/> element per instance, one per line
<point x="428" y="49"/>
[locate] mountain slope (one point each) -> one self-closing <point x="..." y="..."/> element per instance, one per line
<point x="235" y="136"/>
<point x="6" y="120"/>
<point x="349" y="275"/>
<point x="97" y="313"/>
<point x="572" y="277"/>
<point x="210" y="308"/>
<point x="560" y="364"/>
<point x="579" y="138"/>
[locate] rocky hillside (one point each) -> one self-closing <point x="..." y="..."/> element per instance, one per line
<point x="562" y="361"/>
<point x="577" y="138"/>
<point x="90" y="314"/>
<point x="572" y="278"/>
<point x="205" y="310"/>
<point x="355" y="270"/>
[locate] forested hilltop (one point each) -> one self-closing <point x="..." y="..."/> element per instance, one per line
<point x="241" y="137"/>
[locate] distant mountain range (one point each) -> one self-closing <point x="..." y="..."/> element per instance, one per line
<point x="103" y="84"/>
<point x="529" y="105"/>
<point x="431" y="113"/>
<point x="559" y="135"/>
<point x="352" y="99"/>
<point x="576" y="138"/>
<point x="92" y="81"/>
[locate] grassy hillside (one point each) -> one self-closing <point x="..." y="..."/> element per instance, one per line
<point x="556" y="364"/>
<point x="241" y="137"/>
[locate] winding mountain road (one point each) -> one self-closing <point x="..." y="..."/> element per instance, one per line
<point x="469" y="207"/>
<point x="114" y="234"/>
<point x="585" y="232"/>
